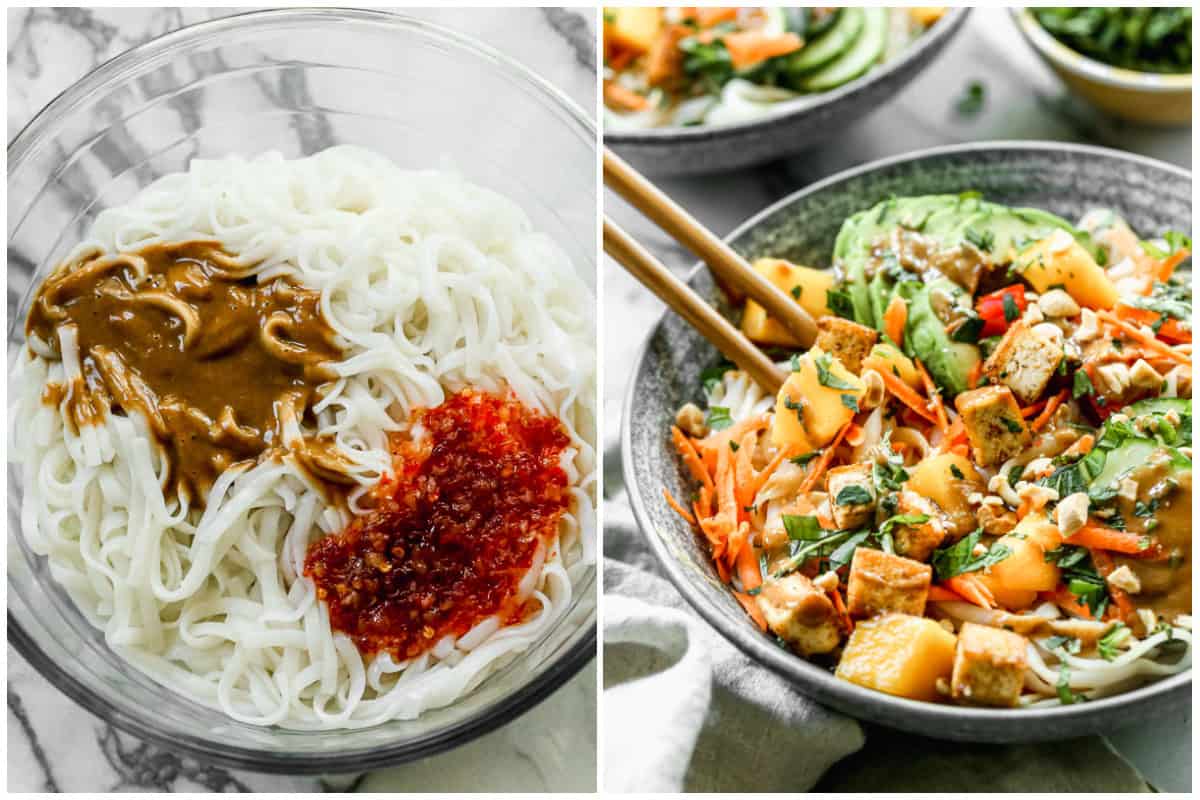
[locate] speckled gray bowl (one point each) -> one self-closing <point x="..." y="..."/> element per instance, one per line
<point x="790" y="128"/>
<point x="1065" y="179"/>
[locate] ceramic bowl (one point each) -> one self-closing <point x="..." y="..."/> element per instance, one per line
<point x="1065" y="179"/>
<point x="790" y="127"/>
<point x="1144" y="97"/>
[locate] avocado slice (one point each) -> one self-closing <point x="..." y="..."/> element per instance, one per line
<point x="865" y="51"/>
<point x="949" y="362"/>
<point x="829" y="45"/>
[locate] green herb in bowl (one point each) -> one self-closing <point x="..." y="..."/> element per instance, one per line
<point x="1139" y="39"/>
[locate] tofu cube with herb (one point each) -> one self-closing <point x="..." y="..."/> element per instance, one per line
<point x="851" y="495"/>
<point x="924" y="534"/>
<point x="882" y="582"/>
<point x="800" y="614"/>
<point x="808" y="286"/>
<point x="848" y="341"/>
<point x="995" y="427"/>
<point x="1026" y="359"/>
<point x="989" y="666"/>
<point x="818" y="398"/>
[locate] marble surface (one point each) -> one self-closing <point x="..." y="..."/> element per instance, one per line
<point x="1023" y="100"/>
<point x="53" y="745"/>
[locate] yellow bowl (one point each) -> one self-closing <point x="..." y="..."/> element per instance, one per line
<point x="1145" y="97"/>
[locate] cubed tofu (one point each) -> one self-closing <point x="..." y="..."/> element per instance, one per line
<point x="810" y="288"/>
<point x="847" y="340"/>
<point x="816" y="400"/>
<point x="989" y="666"/>
<point x="898" y="654"/>
<point x="1059" y="260"/>
<point x="800" y="614"/>
<point x="995" y="427"/>
<point x="664" y="62"/>
<point x="918" y="540"/>
<point x="845" y="486"/>
<point x="885" y="357"/>
<point x="1026" y="359"/>
<point x="881" y="582"/>
<point x="632" y="27"/>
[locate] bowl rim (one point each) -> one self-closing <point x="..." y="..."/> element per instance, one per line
<point x="1060" y="55"/>
<point x="810" y="679"/>
<point x="139" y="723"/>
<point x="933" y="39"/>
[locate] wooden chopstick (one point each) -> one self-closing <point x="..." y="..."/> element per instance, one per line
<point x="729" y="268"/>
<point x="700" y="315"/>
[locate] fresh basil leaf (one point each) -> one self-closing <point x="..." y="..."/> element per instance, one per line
<point x="845" y="552"/>
<point x="802" y="528"/>
<point x="850" y="402"/>
<point x="1082" y="385"/>
<point x="853" y="496"/>
<point x="960" y="558"/>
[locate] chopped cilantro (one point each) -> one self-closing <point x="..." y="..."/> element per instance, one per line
<point x="956" y="472"/>
<point x="802" y="528"/>
<point x="734" y="446"/>
<point x="1110" y="641"/>
<point x="1011" y="425"/>
<point x="1011" y="311"/>
<point x="796" y="290"/>
<point x="971" y="102"/>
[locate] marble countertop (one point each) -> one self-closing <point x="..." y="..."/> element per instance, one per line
<point x="53" y="745"/>
<point x="1023" y="100"/>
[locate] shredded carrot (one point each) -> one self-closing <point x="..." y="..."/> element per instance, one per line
<point x="906" y="395"/>
<point x="961" y="449"/>
<point x="855" y="434"/>
<point x="943" y="594"/>
<point x="956" y="435"/>
<point x="752" y="609"/>
<point x="1149" y="341"/>
<point x="821" y="464"/>
<point x="1167" y="266"/>
<point x="747" y="48"/>
<point x="894" y="320"/>
<point x="619" y="58"/>
<point x="975" y="374"/>
<point x="714" y="15"/>
<point x="1062" y="597"/>
<point x="971" y="590"/>
<point x="1105" y="566"/>
<point x="618" y="97"/>
<point x="748" y="569"/>
<point x="1048" y="412"/>
<point x="744" y="470"/>
<point x="839" y="605"/>
<point x="680" y="510"/>
<point x="935" y="397"/>
<point x="691" y="458"/>
<point x="1082" y="446"/>
<point x="1095" y="536"/>
<point x="739" y="540"/>
<point x="1033" y="410"/>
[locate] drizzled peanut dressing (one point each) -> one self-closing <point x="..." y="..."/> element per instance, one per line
<point x="223" y="367"/>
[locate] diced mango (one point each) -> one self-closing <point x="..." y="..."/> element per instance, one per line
<point x="887" y="358"/>
<point x="1059" y="260"/>
<point x="935" y="478"/>
<point x="1025" y="568"/>
<point x="809" y="287"/>
<point x="632" y="27"/>
<point x="926" y="15"/>
<point x="809" y="413"/>
<point x="899" y="654"/>
<point x="1006" y="596"/>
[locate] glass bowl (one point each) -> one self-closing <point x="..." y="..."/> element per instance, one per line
<point x="297" y="82"/>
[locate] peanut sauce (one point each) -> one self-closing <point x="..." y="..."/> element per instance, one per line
<point x="184" y="334"/>
<point x="453" y="530"/>
<point x="1166" y="582"/>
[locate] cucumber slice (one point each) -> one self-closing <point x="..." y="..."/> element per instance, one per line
<point x="1160" y="405"/>
<point x="862" y="55"/>
<point x="1120" y="462"/>
<point x="833" y="43"/>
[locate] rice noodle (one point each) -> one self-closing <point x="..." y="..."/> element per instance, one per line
<point x="433" y="285"/>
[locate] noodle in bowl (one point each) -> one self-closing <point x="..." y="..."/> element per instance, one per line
<point x="432" y="286"/>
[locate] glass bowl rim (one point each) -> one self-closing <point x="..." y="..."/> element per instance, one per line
<point x="130" y="720"/>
